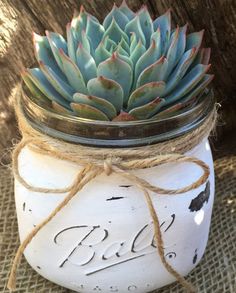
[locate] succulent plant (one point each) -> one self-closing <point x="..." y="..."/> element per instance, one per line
<point x="128" y="68"/>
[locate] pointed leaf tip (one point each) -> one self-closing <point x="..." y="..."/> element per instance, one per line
<point x="82" y="9"/>
<point x="36" y="37"/>
<point x="143" y="7"/>
<point x="23" y="71"/>
<point x="208" y="67"/>
<point x="194" y="39"/>
<point x="153" y="73"/>
<point x="185" y="27"/>
<point x="114" y="56"/>
<point x="75" y="13"/>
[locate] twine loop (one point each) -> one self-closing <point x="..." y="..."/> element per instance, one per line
<point x="95" y="161"/>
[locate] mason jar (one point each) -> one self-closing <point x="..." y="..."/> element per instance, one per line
<point x="103" y="239"/>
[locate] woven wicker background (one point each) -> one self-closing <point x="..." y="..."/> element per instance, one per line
<point x="216" y="272"/>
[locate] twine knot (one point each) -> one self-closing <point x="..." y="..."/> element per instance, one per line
<point x="107" y="165"/>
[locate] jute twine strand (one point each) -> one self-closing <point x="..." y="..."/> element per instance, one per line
<point x="95" y="161"/>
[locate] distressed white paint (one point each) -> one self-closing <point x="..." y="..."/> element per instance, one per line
<point x="114" y="266"/>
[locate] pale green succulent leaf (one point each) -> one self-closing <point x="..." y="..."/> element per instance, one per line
<point x="88" y="112"/>
<point x="107" y="89"/>
<point x="85" y="42"/>
<point x="77" y="28"/>
<point x="164" y="23"/>
<point x="95" y="32"/>
<point x="40" y="81"/>
<point x="156" y="36"/>
<point x="122" y="51"/>
<point x="194" y="40"/>
<point x="126" y="10"/>
<point x="187" y="83"/>
<point x="35" y="91"/>
<point x="172" y="53"/>
<point x="126" y="59"/>
<point x="203" y="57"/>
<point x="137" y="52"/>
<point x="133" y="42"/>
<point x="43" y="52"/>
<point x="60" y="86"/>
<point x="73" y="74"/>
<point x="116" y="14"/>
<point x="146" y="24"/>
<point x="177" y="50"/>
<point x="166" y="112"/>
<point x="116" y="69"/>
<point x="201" y="85"/>
<point x="145" y="94"/>
<point x="71" y="43"/>
<point x="134" y="26"/>
<point x="108" y="43"/>
<point x="92" y="17"/>
<point x="79" y="23"/>
<point x="57" y="42"/>
<point x="86" y="64"/>
<point x="181" y="42"/>
<point x="124" y="45"/>
<point x="148" y="110"/>
<point x="99" y="103"/>
<point x="180" y="70"/>
<point x="115" y="33"/>
<point x="154" y="72"/>
<point x="112" y="48"/>
<point x="148" y="58"/>
<point x="101" y="53"/>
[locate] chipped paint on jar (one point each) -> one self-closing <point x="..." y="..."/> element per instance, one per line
<point x="103" y="240"/>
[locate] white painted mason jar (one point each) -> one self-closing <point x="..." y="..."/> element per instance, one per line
<point x="103" y="240"/>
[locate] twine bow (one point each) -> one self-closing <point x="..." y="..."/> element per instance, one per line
<point x="123" y="162"/>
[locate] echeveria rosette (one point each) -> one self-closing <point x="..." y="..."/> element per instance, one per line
<point x="128" y="68"/>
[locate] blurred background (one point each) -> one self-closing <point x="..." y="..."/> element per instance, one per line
<point x="18" y="18"/>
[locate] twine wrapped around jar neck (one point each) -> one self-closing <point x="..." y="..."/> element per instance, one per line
<point x="122" y="161"/>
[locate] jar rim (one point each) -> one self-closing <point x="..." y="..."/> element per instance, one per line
<point x="113" y="133"/>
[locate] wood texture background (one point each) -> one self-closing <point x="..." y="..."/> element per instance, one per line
<point x="18" y="18"/>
